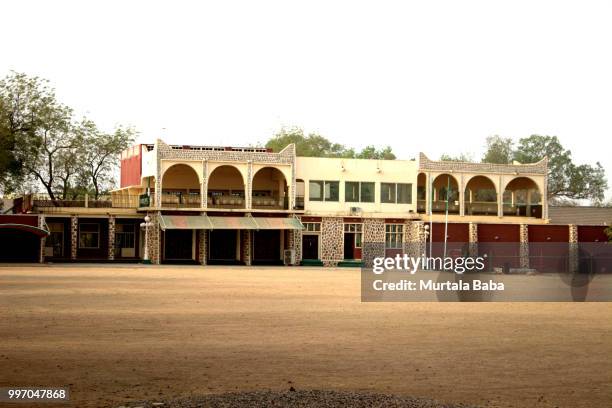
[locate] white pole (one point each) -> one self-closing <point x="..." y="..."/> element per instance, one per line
<point x="430" y="198"/>
<point x="146" y="225"/>
<point x="446" y="217"/>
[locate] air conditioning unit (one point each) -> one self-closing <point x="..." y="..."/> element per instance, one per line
<point x="289" y="257"/>
<point x="355" y="210"/>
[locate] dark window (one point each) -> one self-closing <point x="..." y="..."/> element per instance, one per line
<point x="367" y="192"/>
<point x="332" y="190"/>
<point x="387" y="192"/>
<point x="404" y="193"/>
<point x="89" y="235"/>
<point x="351" y="191"/>
<point x="316" y="191"/>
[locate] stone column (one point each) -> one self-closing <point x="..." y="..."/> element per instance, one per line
<point x="461" y="197"/>
<point x="204" y="186"/>
<point x="41" y="224"/>
<point x="500" y="199"/>
<point x="74" y="236"/>
<point x="524" y="246"/>
<point x="295" y="243"/>
<point x="473" y="244"/>
<point x="373" y="240"/>
<point x="154" y="239"/>
<point x="248" y="186"/>
<point x="245" y="246"/>
<point x="415" y="239"/>
<point x="428" y="194"/>
<point x="203" y="246"/>
<point x="573" y="248"/>
<point x="332" y="240"/>
<point x="111" y="237"/>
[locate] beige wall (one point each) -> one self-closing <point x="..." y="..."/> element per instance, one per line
<point x="342" y="170"/>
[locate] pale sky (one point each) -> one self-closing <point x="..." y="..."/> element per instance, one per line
<point x="431" y="76"/>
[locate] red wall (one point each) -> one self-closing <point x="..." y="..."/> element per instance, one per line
<point x="503" y="251"/>
<point x="592" y="233"/>
<point x="131" y="167"/>
<point x="549" y="248"/>
<point x="19" y="219"/>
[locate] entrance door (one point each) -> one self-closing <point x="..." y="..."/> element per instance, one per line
<point x="267" y="246"/>
<point x="349" y="245"/>
<point x="310" y="247"/>
<point x="222" y="245"/>
<point x="178" y="245"/>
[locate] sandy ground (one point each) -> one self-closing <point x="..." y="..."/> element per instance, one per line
<point x="116" y="334"/>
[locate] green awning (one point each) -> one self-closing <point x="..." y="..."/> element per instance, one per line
<point x="185" y="222"/>
<point x="264" y="223"/>
<point x="213" y="223"/>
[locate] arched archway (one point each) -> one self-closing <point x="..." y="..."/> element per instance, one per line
<point x="421" y="193"/>
<point x="480" y="196"/>
<point x="180" y="187"/>
<point x="270" y="189"/>
<point x="522" y="197"/>
<point x="445" y="189"/>
<point x="226" y="188"/>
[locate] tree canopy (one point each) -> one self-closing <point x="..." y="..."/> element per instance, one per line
<point x="314" y="145"/>
<point x="42" y="144"/>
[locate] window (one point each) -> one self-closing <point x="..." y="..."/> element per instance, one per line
<point x="316" y="191"/>
<point x="404" y="193"/>
<point x="324" y="190"/>
<point x="89" y="236"/>
<point x="396" y="193"/>
<point x="351" y="191"/>
<point x="332" y="190"/>
<point x="394" y="236"/>
<point x="312" y="226"/>
<point x="124" y="236"/>
<point x="367" y="192"/>
<point x="387" y="192"/>
<point x="354" y="229"/>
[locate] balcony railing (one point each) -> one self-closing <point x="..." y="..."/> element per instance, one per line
<point x="226" y="201"/>
<point x="46" y="203"/>
<point x="481" y="208"/>
<point x="179" y="200"/>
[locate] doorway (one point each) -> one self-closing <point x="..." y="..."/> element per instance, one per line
<point x="178" y="245"/>
<point x="310" y="246"/>
<point x="267" y="247"/>
<point x="222" y="246"/>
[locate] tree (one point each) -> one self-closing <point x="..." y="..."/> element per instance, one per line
<point x="462" y="157"/>
<point x="499" y="150"/>
<point x="101" y="155"/>
<point x="315" y="145"/>
<point x="608" y="231"/>
<point x="565" y="179"/>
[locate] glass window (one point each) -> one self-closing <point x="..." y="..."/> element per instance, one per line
<point x="89" y="235"/>
<point x="316" y="191"/>
<point x="351" y="191"/>
<point x="367" y="192"/>
<point x="312" y="226"/>
<point x="404" y="193"/>
<point x="332" y="190"/>
<point x="387" y="192"/>
<point x="394" y="236"/>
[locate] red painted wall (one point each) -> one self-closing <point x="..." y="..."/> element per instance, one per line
<point x="19" y="219"/>
<point x="501" y="245"/>
<point x="131" y="166"/>
<point x="456" y="243"/>
<point x="549" y="248"/>
<point x="592" y="233"/>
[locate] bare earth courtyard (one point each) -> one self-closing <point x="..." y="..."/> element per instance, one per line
<point x="117" y="334"/>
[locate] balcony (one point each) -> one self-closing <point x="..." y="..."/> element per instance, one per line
<point x="226" y="201"/>
<point x="44" y="203"/>
<point x="181" y="200"/>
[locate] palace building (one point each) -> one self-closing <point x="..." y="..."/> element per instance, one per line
<point x="228" y="205"/>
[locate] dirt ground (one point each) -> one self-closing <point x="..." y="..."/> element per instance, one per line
<point x="115" y="334"/>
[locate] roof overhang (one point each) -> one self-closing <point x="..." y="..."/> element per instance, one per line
<point x="206" y="222"/>
<point x="40" y="232"/>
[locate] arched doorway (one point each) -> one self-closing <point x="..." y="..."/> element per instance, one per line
<point x="226" y="188"/>
<point x="445" y="190"/>
<point x="480" y="196"/>
<point x="522" y="197"/>
<point x="180" y="187"/>
<point x="270" y="189"/>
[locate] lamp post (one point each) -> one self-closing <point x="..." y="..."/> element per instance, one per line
<point x="146" y="224"/>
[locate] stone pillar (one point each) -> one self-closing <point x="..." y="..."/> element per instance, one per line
<point x="415" y="239"/>
<point x="154" y="239"/>
<point x="203" y="249"/>
<point x="473" y="244"/>
<point x="373" y="240"/>
<point x="524" y="246"/>
<point x="295" y="243"/>
<point x="42" y="224"/>
<point x="332" y="240"/>
<point x="573" y="248"/>
<point x="74" y="236"/>
<point x="111" y="238"/>
<point x="245" y="246"/>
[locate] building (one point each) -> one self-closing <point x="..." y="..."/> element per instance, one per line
<point x="228" y="205"/>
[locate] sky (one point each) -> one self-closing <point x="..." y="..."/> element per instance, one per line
<point x="431" y="76"/>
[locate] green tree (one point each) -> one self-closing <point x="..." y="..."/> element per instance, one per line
<point x="315" y="145"/>
<point x="499" y="150"/>
<point x="608" y="231"/>
<point x="462" y="157"/>
<point x="565" y="179"/>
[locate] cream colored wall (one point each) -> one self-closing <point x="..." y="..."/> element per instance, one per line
<point x="226" y="178"/>
<point x="148" y="162"/>
<point x="180" y="176"/>
<point x="342" y="170"/>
